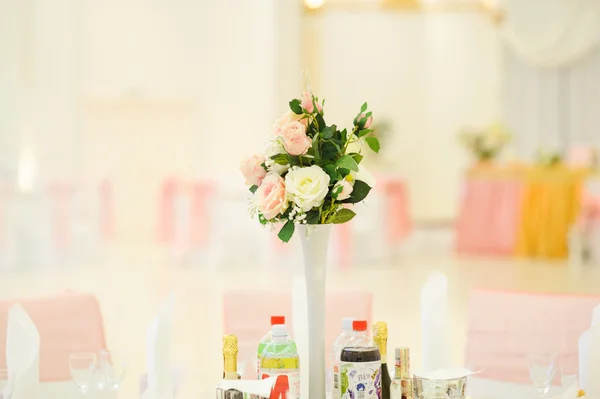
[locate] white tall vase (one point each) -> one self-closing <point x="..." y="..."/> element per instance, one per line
<point x="309" y="321"/>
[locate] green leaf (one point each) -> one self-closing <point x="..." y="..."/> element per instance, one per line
<point x="330" y="150"/>
<point x="287" y="231"/>
<point x="296" y="107"/>
<point x="312" y="217"/>
<point x="328" y="132"/>
<point x="363" y="108"/>
<point x="346" y="161"/>
<point x="320" y="121"/>
<point x="344" y="136"/>
<point x="315" y="148"/>
<point x="359" y="192"/>
<point x="373" y="143"/>
<point x="343" y="172"/>
<point x="363" y="132"/>
<point x="281" y="159"/>
<point x="332" y="171"/>
<point x="357" y="157"/>
<point x="262" y="219"/>
<point x="342" y="216"/>
<point x="253" y="189"/>
<point x="336" y="191"/>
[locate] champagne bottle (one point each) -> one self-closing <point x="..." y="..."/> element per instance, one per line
<point x="401" y="387"/>
<point x="380" y="336"/>
<point x="230" y="352"/>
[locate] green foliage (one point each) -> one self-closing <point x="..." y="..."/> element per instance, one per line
<point x="253" y="189"/>
<point x="373" y="143"/>
<point x="357" y="157"/>
<point x="296" y="107"/>
<point x="281" y="159"/>
<point x="359" y="192"/>
<point x="364" y="107"/>
<point x="342" y="216"/>
<point x="346" y="161"/>
<point x="287" y="231"/>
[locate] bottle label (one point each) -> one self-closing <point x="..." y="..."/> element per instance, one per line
<point x="360" y="380"/>
<point x="287" y="385"/>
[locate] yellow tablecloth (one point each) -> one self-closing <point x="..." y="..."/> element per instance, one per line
<point x="551" y="202"/>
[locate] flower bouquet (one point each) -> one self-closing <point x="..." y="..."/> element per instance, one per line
<point x="485" y="144"/>
<point x="307" y="174"/>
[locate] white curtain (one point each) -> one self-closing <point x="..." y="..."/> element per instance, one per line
<point x="551" y="33"/>
<point x="552" y="108"/>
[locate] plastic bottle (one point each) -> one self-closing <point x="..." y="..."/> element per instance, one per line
<point x="360" y="366"/>
<point x="280" y="359"/>
<point x="339" y="344"/>
<point x="265" y="341"/>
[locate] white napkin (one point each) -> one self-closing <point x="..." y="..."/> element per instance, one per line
<point x="589" y="357"/>
<point x="261" y="388"/>
<point x="158" y="353"/>
<point x="435" y="336"/>
<point x="300" y="319"/>
<point x="23" y="353"/>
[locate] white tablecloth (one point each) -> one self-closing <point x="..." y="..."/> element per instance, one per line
<point x="68" y="390"/>
<point x="479" y="388"/>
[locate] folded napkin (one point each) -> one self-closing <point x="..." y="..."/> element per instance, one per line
<point x="589" y="357"/>
<point x="434" y="323"/>
<point x="23" y="354"/>
<point x="158" y="353"/>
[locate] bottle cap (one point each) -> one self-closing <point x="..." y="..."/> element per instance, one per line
<point x="277" y="320"/>
<point x="359" y="325"/>
<point x="347" y="323"/>
<point x="279" y="330"/>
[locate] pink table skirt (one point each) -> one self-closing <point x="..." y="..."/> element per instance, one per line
<point x="67" y="323"/>
<point x="489" y="216"/>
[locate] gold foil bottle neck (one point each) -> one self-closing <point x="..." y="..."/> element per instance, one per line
<point x="230" y="352"/>
<point x="402" y="356"/>
<point x="380" y="336"/>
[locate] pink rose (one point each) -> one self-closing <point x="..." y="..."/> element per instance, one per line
<point x="295" y="140"/>
<point x="347" y="189"/>
<point x="307" y="103"/>
<point x="368" y="122"/>
<point x="287" y="118"/>
<point x="270" y="198"/>
<point x="253" y="171"/>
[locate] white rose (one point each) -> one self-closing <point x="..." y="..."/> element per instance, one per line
<point x="307" y="187"/>
<point x="364" y="175"/>
<point x="347" y="188"/>
<point x="275" y="147"/>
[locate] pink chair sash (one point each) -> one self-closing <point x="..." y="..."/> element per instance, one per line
<point x="504" y="327"/>
<point x="166" y="219"/>
<point x="105" y="192"/>
<point x="67" y="323"/>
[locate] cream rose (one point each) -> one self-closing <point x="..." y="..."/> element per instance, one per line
<point x="307" y="187"/>
<point x="347" y="188"/>
<point x="270" y="198"/>
<point x="295" y="140"/>
<point x="253" y="171"/>
<point x="364" y="175"/>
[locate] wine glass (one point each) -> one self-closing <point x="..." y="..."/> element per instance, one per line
<point x="542" y="368"/>
<point x="6" y="384"/>
<point x="113" y="367"/>
<point x="568" y="377"/>
<point x="83" y="370"/>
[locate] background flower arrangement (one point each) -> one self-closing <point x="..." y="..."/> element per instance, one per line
<point x="306" y="173"/>
<point x="485" y="144"/>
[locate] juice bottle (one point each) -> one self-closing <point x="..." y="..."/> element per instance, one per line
<point x="339" y="344"/>
<point x="265" y="341"/>
<point x="280" y="359"/>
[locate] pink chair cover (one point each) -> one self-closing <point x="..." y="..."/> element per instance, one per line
<point x="67" y="323"/>
<point x="397" y="212"/>
<point x="247" y="314"/>
<point x="105" y="192"/>
<point x="489" y="216"/>
<point x="504" y="327"/>
<point x="200" y="216"/>
<point x="166" y="218"/>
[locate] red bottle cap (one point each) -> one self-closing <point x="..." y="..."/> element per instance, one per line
<point x="359" y="325"/>
<point x="277" y="320"/>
